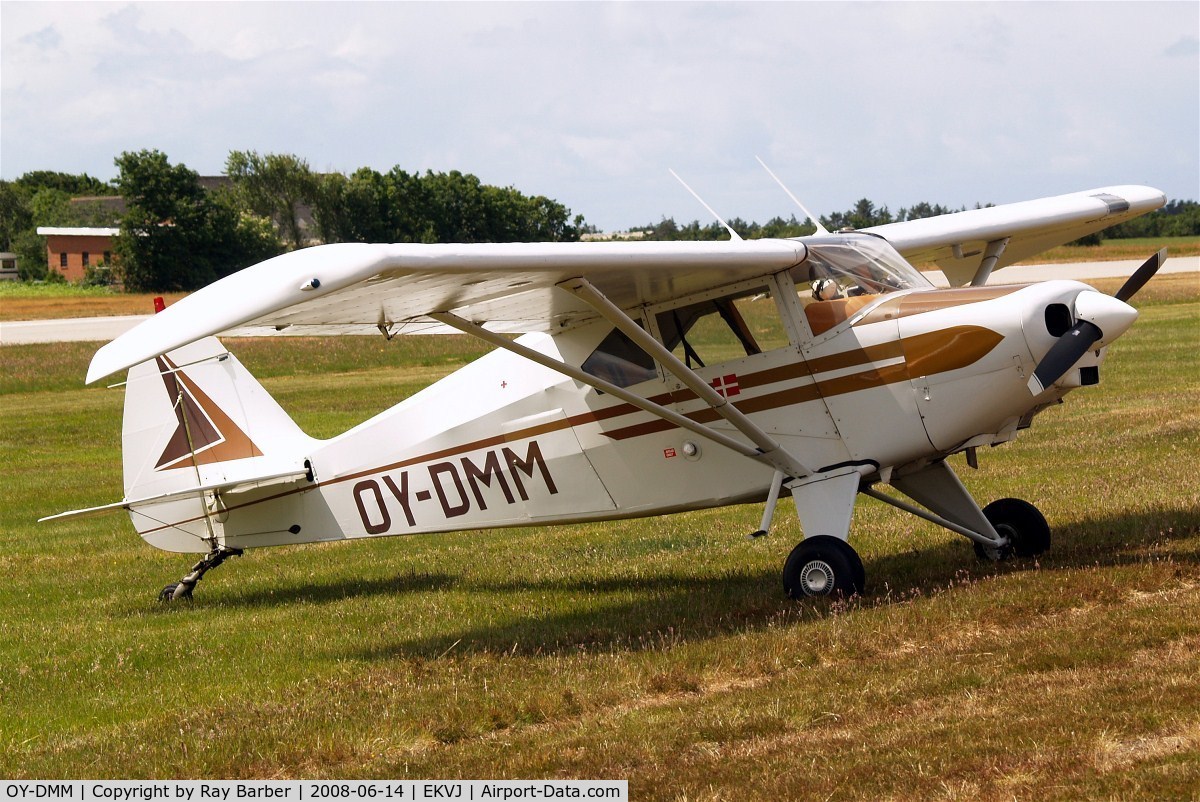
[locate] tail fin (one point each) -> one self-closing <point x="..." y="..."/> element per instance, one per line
<point x="196" y="420"/>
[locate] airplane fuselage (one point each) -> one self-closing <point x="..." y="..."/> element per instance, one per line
<point x="896" y="380"/>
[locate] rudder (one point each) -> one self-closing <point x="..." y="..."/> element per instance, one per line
<point x="196" y="418"/>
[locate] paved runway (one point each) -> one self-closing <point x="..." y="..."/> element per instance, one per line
<point x="102" y="329"/>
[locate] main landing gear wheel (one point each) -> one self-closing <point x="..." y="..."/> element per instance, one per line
<point x="823" y="566"/>
<point x="1026" y="528"/>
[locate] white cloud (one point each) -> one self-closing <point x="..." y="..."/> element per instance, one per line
<point x="47" y="38"/>
<point x="1184" y="47"/>
<point x="590" y="103"/>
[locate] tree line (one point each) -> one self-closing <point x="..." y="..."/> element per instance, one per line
<point x="1176" y="219"/>
<point x="178" y="232"/>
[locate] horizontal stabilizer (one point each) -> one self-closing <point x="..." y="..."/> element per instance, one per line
<point x="225" y="488"/>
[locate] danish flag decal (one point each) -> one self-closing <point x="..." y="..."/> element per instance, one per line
<point x="726" y="385"/>
<point x="203" y="433"/>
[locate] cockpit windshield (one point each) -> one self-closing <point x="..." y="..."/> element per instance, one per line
<point x="849" y="265"/>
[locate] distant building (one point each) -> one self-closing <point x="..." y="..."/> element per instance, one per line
<point x="8" y="266"/>
<point x="70" y="251"/>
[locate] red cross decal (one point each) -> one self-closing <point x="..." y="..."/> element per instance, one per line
<point x="726" y="385"/>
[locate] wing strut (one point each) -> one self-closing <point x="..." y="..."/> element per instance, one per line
<point x="990" y="256"/>
<point x="500" y="341"/>
<point x="772" y="452"/>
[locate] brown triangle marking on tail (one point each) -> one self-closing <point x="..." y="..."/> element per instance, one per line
<point x="214" y="435"/>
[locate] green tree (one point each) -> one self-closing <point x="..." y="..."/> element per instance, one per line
<point x="73" y="185"/>
<point x="329" y="208"/>
<point x="414" y="218"/>
<point x="51" y="207"/>
<point x="175" y="235"/>
<point x="15" y="214"/>
<point x="31" y="208"/>
<point x="922" y="210"/>
<point x="1179" y="218"/>
<point x="399" y="206"/>
<point x="32" y="258"/>
<point x="778" y="228"/>
<point x="276" y="186"/>
<point x="863" y="215"/>
<point x="237" y="238"/>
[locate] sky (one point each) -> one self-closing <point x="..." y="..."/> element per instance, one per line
<point x="592" y="103"/>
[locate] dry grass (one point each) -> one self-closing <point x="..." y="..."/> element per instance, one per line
<point x="55" y="301"/>
<point x="1112" y="250"/>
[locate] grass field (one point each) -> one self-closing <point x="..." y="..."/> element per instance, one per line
<point x="659" y="650"/>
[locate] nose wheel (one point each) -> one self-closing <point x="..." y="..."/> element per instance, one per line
<point x="823" y="566"/>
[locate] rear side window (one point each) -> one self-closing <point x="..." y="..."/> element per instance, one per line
<point x="619" y="360"/>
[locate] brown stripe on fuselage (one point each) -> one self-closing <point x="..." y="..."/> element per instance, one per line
<point x="867" y="379"/>
<point x="782" y="398"/>
<point x="856" y="356"/>
<point x="925" y="355"/>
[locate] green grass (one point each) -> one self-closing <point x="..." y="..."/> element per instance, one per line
<point x="29" y="289"/>
<point x="658" y="650"/>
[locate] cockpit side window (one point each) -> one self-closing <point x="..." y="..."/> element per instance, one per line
<point x="852" y="265"/>
<point x="719" y="329"/>
<point x="847" y="273"/>
<point x="617" y="359"/>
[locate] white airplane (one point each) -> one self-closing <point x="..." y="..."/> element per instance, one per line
<point x="607" y="406"/>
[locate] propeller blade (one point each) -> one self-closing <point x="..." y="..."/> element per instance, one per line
<point x="1063" y="354"/>
<point x="1141" y="276"/>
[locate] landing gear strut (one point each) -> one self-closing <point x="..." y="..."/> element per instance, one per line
<point x="184" y="587"/>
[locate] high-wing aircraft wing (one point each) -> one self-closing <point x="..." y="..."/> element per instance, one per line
<point x="512" y="287"/>
<point x="353" y="288"/>
<point x="959" y="242"/>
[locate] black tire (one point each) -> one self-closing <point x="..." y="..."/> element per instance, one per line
<point x="823" y="566"/>
<point x="1026" y="527"/>
<point x="167" y="594"/>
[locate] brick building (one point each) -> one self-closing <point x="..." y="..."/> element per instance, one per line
<point x="70" y="251"/>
